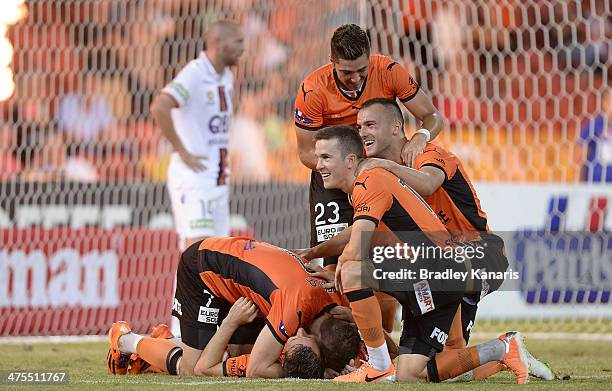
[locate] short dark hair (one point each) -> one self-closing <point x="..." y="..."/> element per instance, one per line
<point x="390" y="106"/>
<point x="348" y="139"/>
<point x="349" y="42"/>
<point x="340" y="343"/>
<point x="303" y="363"/>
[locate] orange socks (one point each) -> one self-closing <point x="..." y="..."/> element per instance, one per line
<point x="452" y="363"/>
<point x="158" y="352"/>
<point x="388" y="309"/>
<point x="368" y="318"/>
<point x="488" y="369"/>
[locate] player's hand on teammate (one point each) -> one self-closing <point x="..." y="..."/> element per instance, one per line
<point x="318" y="271"/>
<point x="242" y="312"/>
<point x="305" y="253"/>
<point x="330" y="373"/>
<point x="193" y="161"/>
<point x="372" y="162"/>
<point x="341" y="312"/>
<point x="413" y="148"/>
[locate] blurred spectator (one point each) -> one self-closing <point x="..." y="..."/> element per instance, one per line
<point x="596" y="135"/>
<point x="84" y="116"/>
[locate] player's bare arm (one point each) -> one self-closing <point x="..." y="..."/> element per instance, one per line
<point x="264" y="357"/>
<point x="423" y="109"/>
<point x="243" y="311"/>
<point x="351" y="257"/>
<point x="329" y="248"/>
<point x="305" y="143"/>
<point x="425" y="181"/>
<point x="161" y="109"/>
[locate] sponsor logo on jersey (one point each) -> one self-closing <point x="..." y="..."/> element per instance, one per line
<point x="438" y="335"/>
<point x="300" y="117"/>
<point x="176" y="306"/>
<point x="328" y="231"/>
<point x="210" y="97"/>
<point x="208" y="315"/>
<point x="362" y="208"/>
<point x="219" y="124"/>
<point x="422" y="291"/>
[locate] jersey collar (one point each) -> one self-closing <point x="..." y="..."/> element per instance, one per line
<point x="344" y="92"/>
<point x="210" y="69"/>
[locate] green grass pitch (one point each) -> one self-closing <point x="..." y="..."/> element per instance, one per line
<point x="587" y="364"/>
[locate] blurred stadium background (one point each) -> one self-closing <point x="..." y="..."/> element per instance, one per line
<point x="86" y="234"/>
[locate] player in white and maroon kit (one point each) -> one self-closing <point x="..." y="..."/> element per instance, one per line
<point x="193" y="112"/>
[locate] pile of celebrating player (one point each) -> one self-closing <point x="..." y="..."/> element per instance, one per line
<point x="251" y="309"/>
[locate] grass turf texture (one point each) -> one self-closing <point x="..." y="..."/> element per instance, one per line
<point x="588" y="364"/>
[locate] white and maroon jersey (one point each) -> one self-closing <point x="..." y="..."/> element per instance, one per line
<point x="202" y="120"/>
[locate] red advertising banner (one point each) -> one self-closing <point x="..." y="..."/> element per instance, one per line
<point x="65" y="281"/>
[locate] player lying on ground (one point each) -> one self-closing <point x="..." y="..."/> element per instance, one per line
<point x="215" y="360"/>
<point x="383" y="203"/>
<point x="440" y="178"/>
<point x="212" y="275"/>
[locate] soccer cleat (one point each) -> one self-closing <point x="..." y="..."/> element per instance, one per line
<point x="539" y="369"/>
<point x="117" y="362"/>
<point x="137" y="365"/>
<point x="367" y="374"/>
<point x="161" y="331"/>
<point x="516" y="357"/>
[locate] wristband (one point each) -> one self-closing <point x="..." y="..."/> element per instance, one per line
<point x="426" y="132"/>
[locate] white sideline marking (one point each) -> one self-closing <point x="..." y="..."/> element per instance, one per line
<point x="476" y="335"/>
<point x="204" y="382"/>
<point x="545" y="335"/>
<point x="54" y="339"/>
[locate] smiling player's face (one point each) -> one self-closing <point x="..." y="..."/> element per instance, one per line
<point x="376" y="129"/>
<point x="352" y="73"/>
<point x="333" y="167"/>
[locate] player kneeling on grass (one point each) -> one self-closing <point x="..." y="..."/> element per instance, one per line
<point x="440" y="178"/>
<point x="212" y="275"/>
<point x="383" y="203"/>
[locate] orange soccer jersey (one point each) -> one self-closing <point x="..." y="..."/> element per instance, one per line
<point x="273" y="278"/>
<point x="455" y="202"/>
<point x="383" y="198"/>
<point x="320" y="102"/>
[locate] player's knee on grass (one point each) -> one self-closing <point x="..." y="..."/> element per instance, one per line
<point x="302" y="362"/>
<point x="411" y="367"/>
<point x="188" y="361"/>
<point x="340" y="343"/>
<point x="351" y="275"/>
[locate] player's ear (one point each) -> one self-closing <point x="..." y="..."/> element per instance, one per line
<point x="351" y="160"/>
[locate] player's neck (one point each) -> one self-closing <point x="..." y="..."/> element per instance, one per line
<point x="395" y="151"/>
<point x="217" y="62"/>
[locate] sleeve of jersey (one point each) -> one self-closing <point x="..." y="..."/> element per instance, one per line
<point x="236" y="366"/>
<point x="371" y="201"/>
<point x="402" y="83"/>
<point x="433" y="158"/>
<point x="282" y="324"/>
<point x="181" y="87"/>
<point x="308" y="108"/>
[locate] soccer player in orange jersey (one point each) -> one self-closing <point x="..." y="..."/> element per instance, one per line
<point x="212" y="275"/>
<point x="384" y="203"/>
<point x="332" y="95"/>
